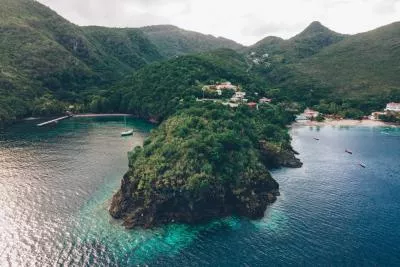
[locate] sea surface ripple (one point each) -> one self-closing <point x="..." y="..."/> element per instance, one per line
<point x="56" y="183"/>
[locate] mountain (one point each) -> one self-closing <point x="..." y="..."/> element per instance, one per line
<point x="41" y="53"/>
<point x="307" y="43"/>
<point x="323" y="68"/>
<point x="129" y="46"/>
<point x="172" y="41"/>
<point x="365" y="64"/>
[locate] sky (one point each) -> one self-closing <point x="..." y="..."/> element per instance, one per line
<point x="243" y="21"/>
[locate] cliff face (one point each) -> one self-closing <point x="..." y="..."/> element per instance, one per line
<point x="276" y="157"/>
<point x="143" y="208"/>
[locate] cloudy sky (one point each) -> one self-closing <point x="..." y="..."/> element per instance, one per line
<point x="243" y="21"/>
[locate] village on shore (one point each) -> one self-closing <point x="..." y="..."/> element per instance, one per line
<point x="222" y="93"/>
<point x="225" y="89"/>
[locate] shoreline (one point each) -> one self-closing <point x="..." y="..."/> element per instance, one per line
<point x="94" y="115"/>
<point x="345" y="122"/>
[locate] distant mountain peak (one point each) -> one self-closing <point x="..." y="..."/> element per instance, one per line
<point x="314" y="28"/>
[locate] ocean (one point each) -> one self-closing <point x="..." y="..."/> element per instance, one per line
<point x="56" y="184"/>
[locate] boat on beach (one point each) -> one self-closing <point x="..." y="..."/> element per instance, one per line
<point x="127" y="132"/>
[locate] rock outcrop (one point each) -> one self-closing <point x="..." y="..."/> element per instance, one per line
<point x="155" y="207"/>
<point x="276" y="157"/>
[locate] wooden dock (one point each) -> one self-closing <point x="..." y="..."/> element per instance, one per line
<point x="53" y="121"/>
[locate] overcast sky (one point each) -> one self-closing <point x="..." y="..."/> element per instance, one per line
<point x="243" y="21"/>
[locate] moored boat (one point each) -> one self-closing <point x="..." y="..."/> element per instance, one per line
<point x="349" y="151"/>
<point x="127" y="133"/>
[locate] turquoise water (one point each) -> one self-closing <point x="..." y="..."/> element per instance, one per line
<point x="55" y="186"/>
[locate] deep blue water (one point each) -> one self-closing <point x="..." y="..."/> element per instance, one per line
<point x="55" y="184"/>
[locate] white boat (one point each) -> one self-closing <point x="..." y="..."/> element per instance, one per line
<point x="127" y="132"/>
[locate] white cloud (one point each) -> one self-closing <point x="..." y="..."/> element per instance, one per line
<point x="244" y="21"/>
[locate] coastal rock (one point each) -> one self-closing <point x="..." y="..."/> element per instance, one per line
<point x="158" y="206"/>
<point x="276" y="157"/>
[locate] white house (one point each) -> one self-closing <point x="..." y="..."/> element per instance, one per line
<point x="393" y="107"/>
<point x="226" y="86"/>
<point x="310" y="114"/>
<point x="240" y="94"/>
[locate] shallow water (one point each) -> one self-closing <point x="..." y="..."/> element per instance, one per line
<point x="55" y="186"/>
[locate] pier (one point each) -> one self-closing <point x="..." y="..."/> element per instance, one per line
<point x="53" y="121"/>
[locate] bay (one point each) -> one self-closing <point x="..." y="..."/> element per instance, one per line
<point x="56" y="183"/>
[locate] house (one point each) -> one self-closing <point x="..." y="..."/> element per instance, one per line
<point x="235" y="99"/>
<point x="226" y="86"/>
<point x="393" y="107"/>
<point x="375" y="115"/>
<point x="240" y="95"/>
<point x="310" y="114"/>
<point x="232" y="105"/>
<point x="252" y="104"/>
<point x="301" y="117"/>
<point x="264" y="100"/>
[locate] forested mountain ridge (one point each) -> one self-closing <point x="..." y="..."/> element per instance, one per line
<point x="305" y="44"/>
<point x="45" y="59"/>
<point x="321" y="67"/>
<point x="47" y="62"/>
<point x="363" y="64"/>
<point x="172" y="41"/>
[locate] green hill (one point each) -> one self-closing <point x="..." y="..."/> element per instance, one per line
<point x="43" y="54"/>
<point x="307" y="43"/>
<point x="172" y="41"/>
<point x="320" y="67"/>
<point x="155" y="90"/>
<point x="365" y="64"/>
<point x="129" y="46"/>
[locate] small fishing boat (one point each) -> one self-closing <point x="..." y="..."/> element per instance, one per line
<point x="362" y="165"/>
<point x="348" y="151"/>
<point x="127" y="132"/>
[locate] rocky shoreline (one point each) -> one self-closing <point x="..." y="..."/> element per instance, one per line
<point x="178" y="206"/>
<point x="138" y="207"/>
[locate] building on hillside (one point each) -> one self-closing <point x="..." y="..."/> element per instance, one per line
<point x="393" y="107"/>
<point x="375" y="115"/>
<point x="301" y="117"/>
<point x="238" y="97"/>
<point x="232" y="105"/>
<point x="265" y="100"/>
<point x="310" y="114"/>
<point x="226" y="86"/>
<point x="240" y="94"/>
<point x="252" y="104"/>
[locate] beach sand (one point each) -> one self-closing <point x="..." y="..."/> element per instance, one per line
<point x="329" y="122"/>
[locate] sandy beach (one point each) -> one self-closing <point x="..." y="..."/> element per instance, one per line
<point x="329" y="122"/>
